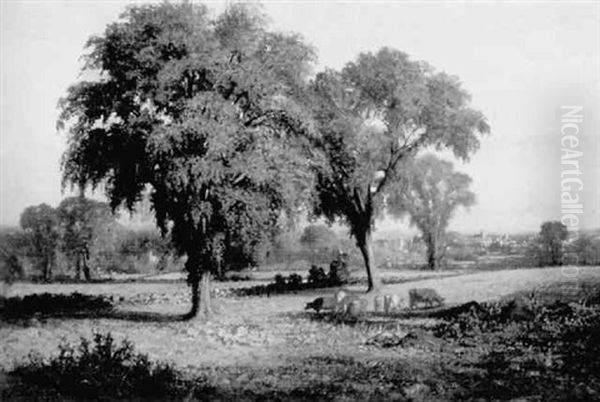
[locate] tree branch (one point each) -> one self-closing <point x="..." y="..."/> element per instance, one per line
<point x="394" y="159"/>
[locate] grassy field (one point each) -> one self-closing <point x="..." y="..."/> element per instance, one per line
<point x="272" y="342"/>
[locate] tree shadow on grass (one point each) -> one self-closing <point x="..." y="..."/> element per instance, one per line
<point x="144" y="316"/>
<point x="112" y="314"/>
<point x="22" y="310"/>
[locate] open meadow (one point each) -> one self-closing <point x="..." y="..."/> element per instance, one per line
<point x="299" y="201"/>
<point x="257" y="344"/>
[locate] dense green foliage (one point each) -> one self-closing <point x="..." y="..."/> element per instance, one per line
<point x="317" y="278"/>
<point x="13" y="245"/>
<point x="81" y="236"/>
<point x="40" y="222"/>
<point x="81" y="220"/>
<point x="429" y="193"/>
<point x="204" y="112"/>
<point x="549" y="246"/>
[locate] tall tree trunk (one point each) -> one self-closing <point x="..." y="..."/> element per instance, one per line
<point x="557" y="254"/>
<point x="364" y="241"/>
<point x="78" y="266"/>
<point x="86" y="271"/>
<point x="205" y="297"/>
<point x="195" y="286"/>
<point x="432" y="252"/>
<point x="200" y="287"/>
<point x="49" y="271"/>
<point x="85" y="256"/>
<point x="45" y="269"/>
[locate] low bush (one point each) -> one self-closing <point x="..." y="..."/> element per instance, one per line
<point x="52" y="304"/>
<point x="555" y="357"/>
<point x="294" y="281"/>
<point x="550" y="351"/>
<point x="317" y="278"/>
<point x="97" y="369"/>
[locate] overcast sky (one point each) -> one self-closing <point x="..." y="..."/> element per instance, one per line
<point x="521" y="62"/>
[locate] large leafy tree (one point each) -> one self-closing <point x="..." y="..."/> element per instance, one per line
<point x="80" y="220"/>
<point x="40" y="223"/>
<point x="373" y="114"/>
<point x="429" y="193"/>
<point x="551" y="240"/>
<point x="201" y="110"/>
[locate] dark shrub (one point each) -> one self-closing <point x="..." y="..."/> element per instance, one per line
<point x="294" y="282"/>
<point x="100" y="369"/>
<point x="53" y="304"/>
<point x="339" y="274"/>
<point x="550" y="351"/>
<point x="279" y="285"/>
<point x="317" y="276"/>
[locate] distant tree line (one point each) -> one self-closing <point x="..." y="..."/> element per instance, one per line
<point x="554" y="246"/>
<point x="80" y="238"/>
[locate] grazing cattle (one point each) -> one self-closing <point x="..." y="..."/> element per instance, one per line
<point x="339" y="303"/>
<point x="322" y="303"/>
<point x="341" y="295"/>
<point x="357" y="307"/>
<point x="390" y="303"/>
<point x="343" y="302"/>
<point x="378" y="303"/>
<point x="424" y="295"/>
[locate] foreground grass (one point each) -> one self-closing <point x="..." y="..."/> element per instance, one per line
<point x="516" y="349"/>
<point x="96" y="369"/>
<point x="260" y="348"/>
<point x="104" y="370"/>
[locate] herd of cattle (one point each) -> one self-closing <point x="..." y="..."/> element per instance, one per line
<point x="343" y="302"/>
